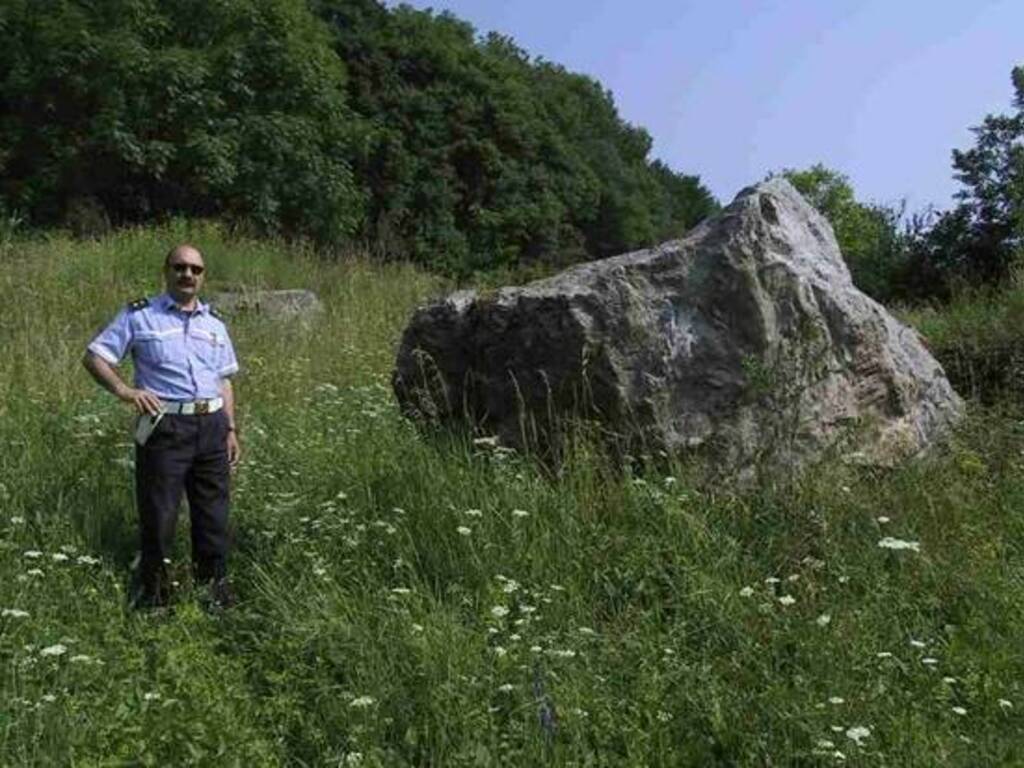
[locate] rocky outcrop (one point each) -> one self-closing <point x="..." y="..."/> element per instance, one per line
<point x="745" y="339"/>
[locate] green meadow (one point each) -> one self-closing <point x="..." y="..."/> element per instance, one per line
<point x="430" y="601"/>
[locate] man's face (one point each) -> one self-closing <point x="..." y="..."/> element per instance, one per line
<point x="184" y="274"/>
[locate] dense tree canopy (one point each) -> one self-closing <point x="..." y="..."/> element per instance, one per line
<point x="339" y="120"/>
<point x="191" y="107"/>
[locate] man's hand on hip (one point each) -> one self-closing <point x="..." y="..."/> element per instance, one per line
<point x="143" y="400"/>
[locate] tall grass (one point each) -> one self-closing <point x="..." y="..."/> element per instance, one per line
<point x="424" y="601"/>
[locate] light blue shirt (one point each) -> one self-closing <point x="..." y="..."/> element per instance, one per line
<point x="178" y="355"/>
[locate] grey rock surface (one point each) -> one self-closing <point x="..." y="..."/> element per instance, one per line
<point x="745" y="340"/>
<point x="299" y="304"/>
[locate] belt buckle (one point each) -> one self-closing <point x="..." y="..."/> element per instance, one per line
<point x="202" y="406"/>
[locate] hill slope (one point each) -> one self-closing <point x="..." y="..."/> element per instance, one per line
<point x="417" y="602"/>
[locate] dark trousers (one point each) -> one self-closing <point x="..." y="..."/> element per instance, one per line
<point x="184" y="453"/>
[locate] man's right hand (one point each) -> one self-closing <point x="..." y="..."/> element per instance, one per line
<point x="143" y="400"/>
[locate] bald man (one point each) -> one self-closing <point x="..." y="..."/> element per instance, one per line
<point x="185" y="437"/>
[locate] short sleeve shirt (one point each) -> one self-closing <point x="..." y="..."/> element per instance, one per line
<point x="178" y="355"/>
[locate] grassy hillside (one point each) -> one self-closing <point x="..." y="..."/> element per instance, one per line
<point x="407" y="602"/>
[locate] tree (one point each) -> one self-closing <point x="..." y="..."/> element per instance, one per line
<point x="991" y="211"/>
<point x="149" y="108"/>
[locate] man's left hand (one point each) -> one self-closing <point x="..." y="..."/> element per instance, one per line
<point x="234" y="450"/>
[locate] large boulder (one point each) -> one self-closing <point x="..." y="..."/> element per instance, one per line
<point x="746" y="339"/>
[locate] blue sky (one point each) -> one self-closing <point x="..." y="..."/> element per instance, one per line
<point x="731" y="90"/>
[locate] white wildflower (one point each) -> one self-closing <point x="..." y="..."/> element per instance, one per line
<point x="17" y="520"/>
<point x="564" y="654"/>
<point x="87" y="560"/>
<point x="1006" y="704"/>
<point x="929" y="661"/>
<point x="586" y="631"/>
<point x="474" y="513"/>
<point x="35" y="572"/>
<point x="825" y="744"/>
<point x="746" y="592"/>
<point x="787" y="600"/>
<point x="858" y="733"/>
<point x="898" y="544"/>
<point x="772" y="580"/>
<point x="499" y="651"/>
<point x="520" y="513"/>
<point x="361" y="702"/>
<point x="57" y="649"/>
<point x="33" y="554"/>
<point x="949" y="680"/>
<point x="499" y="611"/>
<point x="464" y="530"/>
<point x="14" y="613"/>
<point x="960" y="711"/>
<point x="536" y="649"/>
<point x="917" y="643"/>
<point x="836" y="700"/>
<point x="510" y="586"/>
<point x="400" y="590"/>
<point x="506" y="688"/>
<point x="80" y="658"/>
<point x="49" y="698"/>
<point x="151" y="696"/>
<point x="824" y="620"/>
<point x="883" y="655"/>
<point x="882" y="519"/>
<point x="59" y="557"/>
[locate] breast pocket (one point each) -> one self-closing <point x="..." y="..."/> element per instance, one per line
<point x="155" y="349"/>
<point x="207" y="347"/>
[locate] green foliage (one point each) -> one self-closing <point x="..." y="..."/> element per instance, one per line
<point x="146" y="108"/>
<point x="336" y="120"/>
<point x="480" y="158"/>
<point x="981" y="240"/>
<point x="977" y="338"/>
<point x="990" y="218"/>
<point x="614" y="619"/>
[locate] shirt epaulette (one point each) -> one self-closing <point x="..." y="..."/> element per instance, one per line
<point x="216" y="313"/>
<point x="138" y="304"/>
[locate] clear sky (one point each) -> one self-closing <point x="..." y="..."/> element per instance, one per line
<point x="881" y="90"/>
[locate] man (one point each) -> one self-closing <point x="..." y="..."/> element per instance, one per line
<point x="185" y="437"/>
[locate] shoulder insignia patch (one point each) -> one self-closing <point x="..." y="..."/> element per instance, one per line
<point x="138" y="304"/>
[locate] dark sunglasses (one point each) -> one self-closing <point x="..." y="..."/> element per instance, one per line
<point x="182" y="268"/>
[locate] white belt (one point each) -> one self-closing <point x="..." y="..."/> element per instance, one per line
<point x="190" y="407"/>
